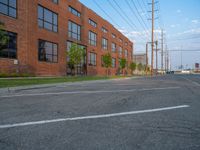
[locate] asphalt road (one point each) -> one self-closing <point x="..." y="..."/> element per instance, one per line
<point x="159" y="113"/>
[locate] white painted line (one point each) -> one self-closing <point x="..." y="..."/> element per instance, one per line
<point x="91" y="117"/>
<point x="90" y="92"/>
<point x="195" y="83"/>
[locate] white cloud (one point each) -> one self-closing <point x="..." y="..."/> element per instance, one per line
<point x="195" y="21"/>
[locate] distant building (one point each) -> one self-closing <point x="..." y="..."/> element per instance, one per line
<point x="139" y="58"/>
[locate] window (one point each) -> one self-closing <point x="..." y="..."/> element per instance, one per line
<point x="104" y="30"/>
<point x="92" y="59"/>
<point x="113" y="36"/>
<point x="9" y="8"/>
<point x="9" y="50"/>
<point x="94" y="24"/>
<point x="55" y="1"/>
<point x="120" y="40"/>
<point x="126" y="44"/>
<point x="47" y="51"/>
<point x="126" y="53"/>
<point x="92" y="38"/>
<point x="120" y="51"/>
<point x="74" y="30"/>
<point x="104" y="43"/>
<point x="114" y="47"/>
<point x="113" y="62"/>
<point x="74" y="11"/>
<point x="47" y="19"/>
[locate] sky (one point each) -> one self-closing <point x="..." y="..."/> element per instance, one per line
<point x="179" y="19"/>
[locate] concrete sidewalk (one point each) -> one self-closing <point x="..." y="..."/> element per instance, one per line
<point x="42" y="86"/>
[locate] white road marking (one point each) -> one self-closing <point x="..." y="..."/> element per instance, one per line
<point x="91" y="117"/>
<point x="195" y="83"/>
<point x="90" y="92"/>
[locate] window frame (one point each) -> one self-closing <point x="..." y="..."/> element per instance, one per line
<point x="16" y="36"/>
<point x="70" y="30"/>
<point x="120" y="51"/>
<point x="113" y="48"/>
<point x="8" y="9"/>
<point x="44" y="21"/>
<point x="113" y="66"/>
<point x="92" y="22"/>
<point x="90" y="40"/>
<point x="90" y="61"/>
<point x="53" y="55"/>
<point x="74" y="11"/>
<point x="104" y="45"/>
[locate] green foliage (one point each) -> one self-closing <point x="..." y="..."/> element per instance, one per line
<point x="140" y="67"/>
<point x="133" y="66"/>
<point x="107" y="60"/>
<point x="3" y="37"/>
<point x="76" y="54"/>
<point x="122" y="63"/>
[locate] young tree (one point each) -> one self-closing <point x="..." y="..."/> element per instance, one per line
<point x="122" y="63"/>
<point x="107" y="62"/>
<point x="76" y="55"/>
<point x="140" y="67"/>
<point x="3" y="37"/>
<point x="133" y="67"/>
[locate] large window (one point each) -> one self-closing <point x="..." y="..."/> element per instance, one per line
<point x="47" y="51"/>
<point x="9" y="8"/>
<point x="104" y="43"/>
<point x="113" y="62"/>
<point x="126" y="53"/>
<point x="9" y="50"/>
<point x="47" y="19"/>
<point x="92" y="38"/>
<point x="74" y="11"/>
<point x="120" y="51"/>
<point x="94" y="24"/>
<point x="92" y="59"/>
<point x="114" y="47"/>
<point x="74" y="30"/>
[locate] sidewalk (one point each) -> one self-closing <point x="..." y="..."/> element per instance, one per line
<point x="41" y="86"/>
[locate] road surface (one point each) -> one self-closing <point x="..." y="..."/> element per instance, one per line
<point x="159" y="113"/>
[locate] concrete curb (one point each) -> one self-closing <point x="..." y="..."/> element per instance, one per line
<point x="10" y="90"/>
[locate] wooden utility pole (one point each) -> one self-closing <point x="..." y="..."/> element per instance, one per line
<point x="146" y="58"/>
<point x="156" y="57"/>
<point x="162" y="50"/>
<point x="152" y="39"/>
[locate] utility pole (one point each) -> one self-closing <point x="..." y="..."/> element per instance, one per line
<point x="181" y="59"/>
<point x="152" y="39"/>
<point x="146" y="58"/>
<point x="162" y="50"/>
<point x="166" y="58"/>
<point x="156" y="57"/>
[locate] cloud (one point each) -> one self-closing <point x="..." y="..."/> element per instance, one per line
<point x="174" y="25"/>
<point x="195" y="21"/>
<point x="178" y="11"/>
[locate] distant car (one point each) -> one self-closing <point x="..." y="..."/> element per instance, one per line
<point x="170" y="72"/>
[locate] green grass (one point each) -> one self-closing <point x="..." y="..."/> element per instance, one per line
<point x="33" y="81"/>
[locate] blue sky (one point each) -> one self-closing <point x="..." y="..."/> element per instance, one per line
<point x="180" y="20"/>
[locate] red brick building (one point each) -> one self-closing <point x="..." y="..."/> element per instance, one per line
<point x="41" y="31"/>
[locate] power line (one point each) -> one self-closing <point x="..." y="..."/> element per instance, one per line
<point x="105" y="13"/>
<point x="125" y="19"/>
<point x="136" y="17"/>
<point x="139" y="13"/>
